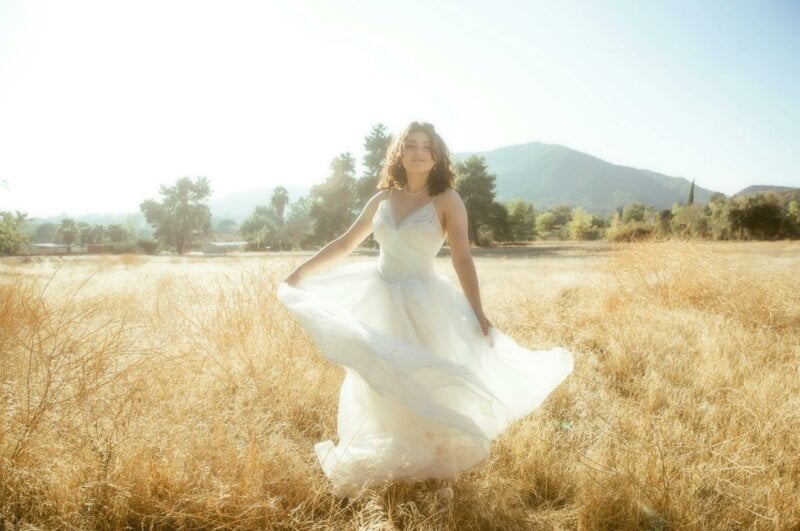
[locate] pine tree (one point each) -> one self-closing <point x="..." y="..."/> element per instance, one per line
<point x="279" y="200"/>
<point x="333" y="203"/>
<point x="476" y="186"/>
<point x="375" y="143"/>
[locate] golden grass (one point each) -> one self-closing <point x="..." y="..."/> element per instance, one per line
<point x="177" y="392"/>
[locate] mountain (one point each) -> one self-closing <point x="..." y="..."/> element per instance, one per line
<point x="239" y="205"/>
<point x="551" y="174"/>
<point x="94" y="218"/>
<point x="761" y="188"/>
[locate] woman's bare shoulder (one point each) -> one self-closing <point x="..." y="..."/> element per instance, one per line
<point x="379" y="196"/>
<point x="375" y="200"/>
<point x="450" y="198"/>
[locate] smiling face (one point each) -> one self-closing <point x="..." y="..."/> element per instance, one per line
<point x="418" y="153"/>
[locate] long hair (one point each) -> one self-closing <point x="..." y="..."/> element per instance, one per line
<point x="393" y="173"/>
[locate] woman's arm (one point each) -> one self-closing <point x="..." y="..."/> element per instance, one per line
<point x="455" y="214"/>
<point x="342" y="246"/>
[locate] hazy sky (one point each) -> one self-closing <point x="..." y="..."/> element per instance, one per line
<point x="103" y="101"/>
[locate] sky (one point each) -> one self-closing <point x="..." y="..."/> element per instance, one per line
<point x="102" y="102"/>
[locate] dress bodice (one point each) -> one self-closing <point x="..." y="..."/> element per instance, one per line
<point x="407" y="249"/>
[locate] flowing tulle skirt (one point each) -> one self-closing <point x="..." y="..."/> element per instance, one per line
<point x="424" y="392"/>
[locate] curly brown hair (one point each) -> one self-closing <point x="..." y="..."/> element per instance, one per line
<point x="393" y="173"/>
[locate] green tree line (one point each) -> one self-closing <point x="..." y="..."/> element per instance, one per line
<point x="181" y="216"/>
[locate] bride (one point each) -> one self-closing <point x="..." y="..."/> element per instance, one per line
<point x="429" y="382"/>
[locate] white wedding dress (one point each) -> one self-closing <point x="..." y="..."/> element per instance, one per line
<point x="424" y="391"/>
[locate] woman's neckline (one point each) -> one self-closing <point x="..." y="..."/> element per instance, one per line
<point x="410" y="212"/>
<point x="413" y="211"/>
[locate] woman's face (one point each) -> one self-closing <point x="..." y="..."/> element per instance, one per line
<point x="418" y="153"/>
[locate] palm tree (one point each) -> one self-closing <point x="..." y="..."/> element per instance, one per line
<point x="279" y="200"/>
<point x="68" y="230"/>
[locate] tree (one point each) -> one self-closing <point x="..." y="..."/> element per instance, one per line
<point x="717" y="214"/>
<point x="580" y="226"/>
<point x="664" y="222"/>
<point x="562" y="213"/>
<point x="717" y="196"/>
<point x="333" y="202"/>
<point x="499" y="226"/>
<point x="633" y="212"/>
<point x="376" y="143"/>
<point x="553" y="223"/>
<point x="84" y="232"/>
<point x="757" y="216"/>
<point x="182" y="213"/>
<point x="135" y="226"/>
<point x="298" y="222"/>
<point x="117" y="233"/>
<point x="545" y="224"/>
<point x="94" y="234"/>
<point x="615" y="225"/>
<point x="279" y="200"/>
<point x="600" y="222"/>
<point x="688" y="220"/>
<point x="690" y="201"/>
<point x="11" y="235"/>
<point x="262" y="229"/>
<point x="476" y="186"/>
<point x="68" y="230"/>
<point x="45" y="233"/>
<point x="521" y="220"/>
<point x="793" y="218"/>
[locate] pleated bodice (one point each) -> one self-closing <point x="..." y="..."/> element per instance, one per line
<point x="407" y="249"/>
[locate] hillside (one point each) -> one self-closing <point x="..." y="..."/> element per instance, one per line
<point x="761" y="188"/>
<point x="551" y="174"/>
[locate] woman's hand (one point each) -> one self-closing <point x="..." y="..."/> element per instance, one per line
<point x="484" y="322"/>
<point x="337" y="249"/>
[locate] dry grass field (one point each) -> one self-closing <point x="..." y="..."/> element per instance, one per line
<point x="163" y="392"/>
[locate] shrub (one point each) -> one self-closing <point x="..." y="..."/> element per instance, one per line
<point x="128" y="247"/>
<point x="147" y="246"/>
<point x="633" y="233"/>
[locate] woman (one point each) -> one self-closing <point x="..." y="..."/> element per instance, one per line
<point x="428" y="382"/>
